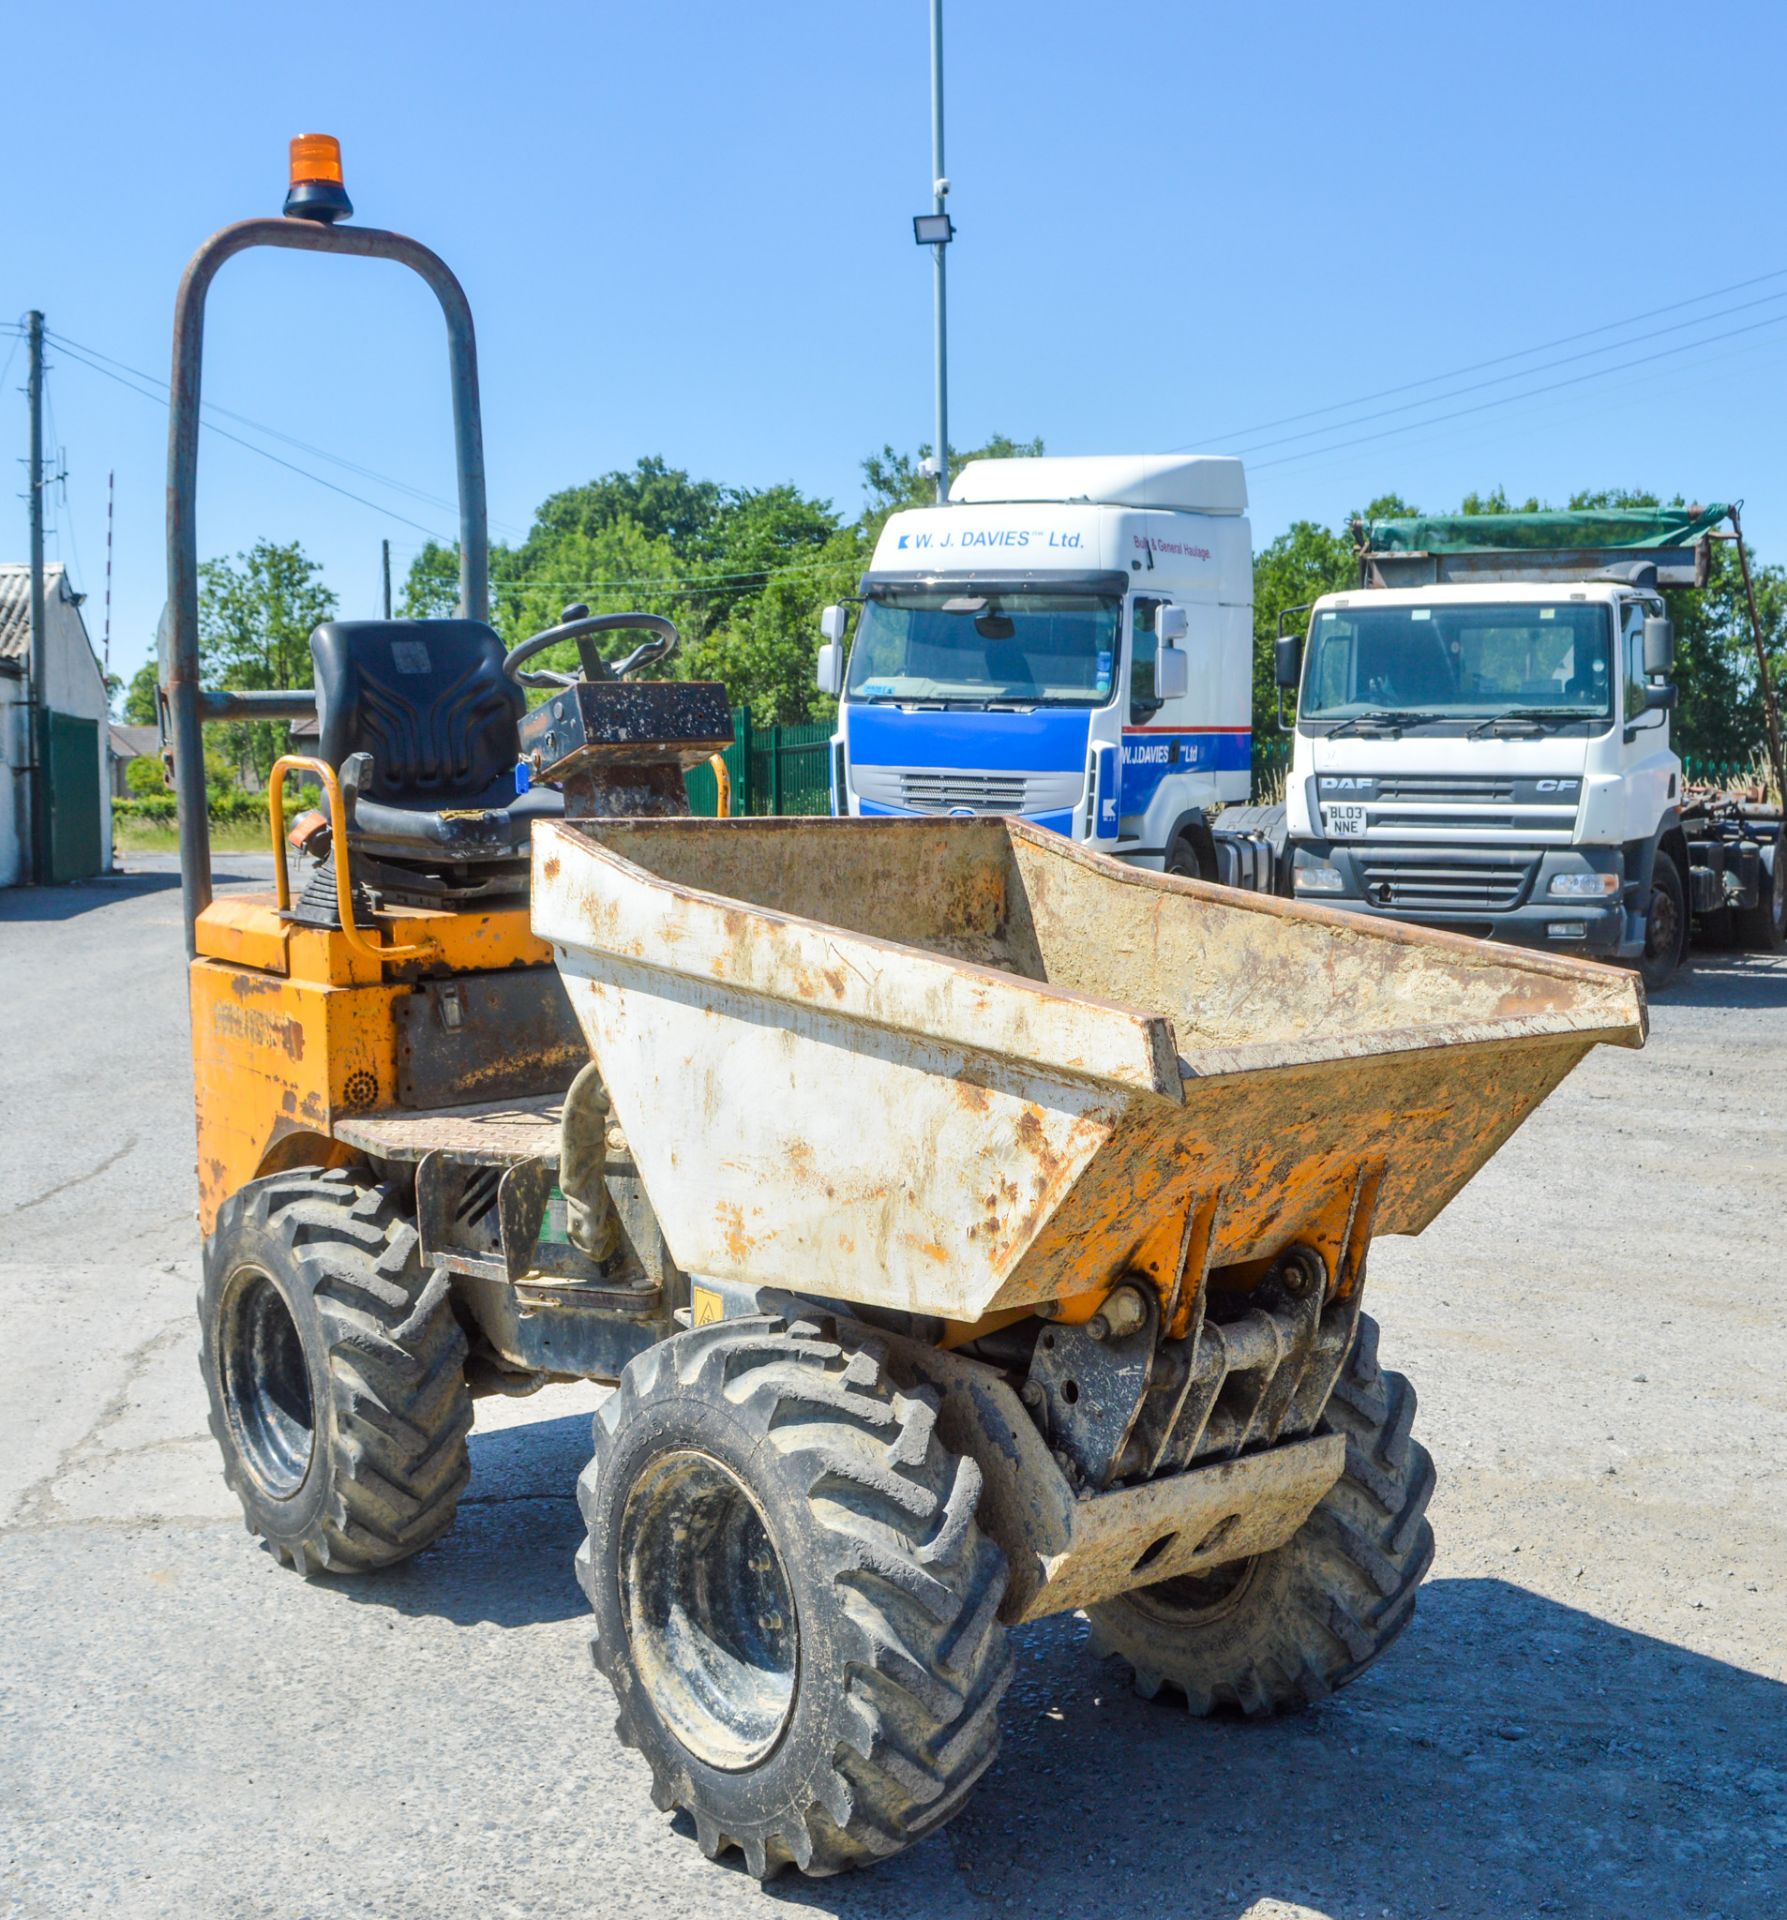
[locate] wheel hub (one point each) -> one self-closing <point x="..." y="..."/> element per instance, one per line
<point x="1192" y="1599"/>
<point x="266" y="1384"/>
<point x="1665" y="930"/>
<point x="708" y="1609"/>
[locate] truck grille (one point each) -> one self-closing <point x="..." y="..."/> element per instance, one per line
<point x="1446" y="885"/>
<point x="945" y="789"/>
<point x="1477" y="790"/>
<point x="984" y="792"/>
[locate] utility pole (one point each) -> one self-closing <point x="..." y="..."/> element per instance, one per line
<point x="385" y="554"/>
<point x="110" y="490"/>
<point x="939" y="192"/>
<point x="36" y="836"/>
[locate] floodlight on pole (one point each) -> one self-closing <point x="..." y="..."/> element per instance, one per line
<point x="933" y="229"/>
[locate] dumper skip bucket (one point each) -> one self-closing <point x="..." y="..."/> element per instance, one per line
<point x="961" y="1067"/>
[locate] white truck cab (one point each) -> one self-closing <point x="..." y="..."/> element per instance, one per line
<point x="1069" y="640"/>
<point x="1482" y="743"/>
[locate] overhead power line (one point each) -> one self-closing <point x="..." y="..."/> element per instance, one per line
<point x="1497" y="360"/>
<point x="260" y="426"/>
<point x="1525" y="373"/>
<point x="119" y="367"/>
<point x="1529" y="393"/>
<point x="1586" y="402"/>
<point x="291" y="466"/>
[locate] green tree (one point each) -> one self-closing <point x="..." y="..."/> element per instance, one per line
<point x="256" y="616"/>
<point x="144" y="775"/>
<point x="662" y="500"/>
<point x="1496" y="501"/>
<point x="764" y="645"/>
<point x="1300" y="565"/>
<point x="431" y="589"/>
<point x="139" y="697"/>
<point x="893" y="480"/>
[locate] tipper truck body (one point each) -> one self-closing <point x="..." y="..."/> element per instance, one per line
<point x="1482" y="743"/>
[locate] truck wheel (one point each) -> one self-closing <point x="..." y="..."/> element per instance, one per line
<point x="1665" y="925"/>
<point x="1284" y="1629"/>
<point x="1183" y="859"/>
<point x="336" y="1373"/>
<point x="793" y="1602"/>
<point x="1763" y="927"/>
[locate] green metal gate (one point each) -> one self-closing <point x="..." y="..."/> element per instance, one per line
<point x="774" y="769"/>
<point x="75" y="843"/>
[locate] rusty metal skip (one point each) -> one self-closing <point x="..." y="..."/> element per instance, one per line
<point x="966" y="1072"/>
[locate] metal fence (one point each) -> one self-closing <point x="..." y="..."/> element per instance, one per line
<point x="1701" y="771"/>
<point x="773" y="769"/>
<point x="1271" y="762"/>
<point x="788" y="769"/>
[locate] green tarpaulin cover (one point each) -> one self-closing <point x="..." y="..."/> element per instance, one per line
<point x="1521" y="532"/>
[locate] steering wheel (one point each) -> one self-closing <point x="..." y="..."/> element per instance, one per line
<point x="579" y="624"/>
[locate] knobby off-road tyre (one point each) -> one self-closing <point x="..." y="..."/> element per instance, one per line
<point x="1286" y="1628"/>
<point x="1763" y="927"/>
<point x="793" y="1602"/>
<point x="336" y="1373"/>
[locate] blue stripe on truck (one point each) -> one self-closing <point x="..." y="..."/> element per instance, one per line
<point x="1151" y="754"/>
<point x="1044" y="741"/>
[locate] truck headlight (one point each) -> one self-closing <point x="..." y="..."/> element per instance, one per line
<point x="1316" y="876"/>
<point x="1583" y="886"/>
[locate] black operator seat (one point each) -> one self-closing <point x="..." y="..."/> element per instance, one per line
<point x="428" y="702"/>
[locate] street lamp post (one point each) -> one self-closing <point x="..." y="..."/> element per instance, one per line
<point x="935" y="230"/>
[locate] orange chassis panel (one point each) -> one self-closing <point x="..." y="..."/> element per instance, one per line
<point x="291" y="1028"/>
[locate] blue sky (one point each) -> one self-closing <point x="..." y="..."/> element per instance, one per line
<point x="684" y="230"/>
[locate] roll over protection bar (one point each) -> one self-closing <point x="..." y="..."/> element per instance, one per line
<point x="188" y="707"/>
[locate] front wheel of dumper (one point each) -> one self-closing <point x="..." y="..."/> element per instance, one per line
<point x="1286" y="1628"/>
<point x="335" y="1371"/>
<point x="793" y="1602"/>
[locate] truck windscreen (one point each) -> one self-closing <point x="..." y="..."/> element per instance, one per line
<point x="1461" y="662"/>
<point x="1001" y="646"/>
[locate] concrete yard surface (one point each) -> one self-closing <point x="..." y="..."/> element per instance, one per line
<point x="1588" y="1715"/>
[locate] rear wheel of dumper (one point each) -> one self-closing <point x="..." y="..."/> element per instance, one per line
<point x="793" y="1602"/>
<point x="336" y="1373"/>
<point x="1284" y="1629"/>
<point x="1665" y="925"/>
<point x="1763" y="927"/>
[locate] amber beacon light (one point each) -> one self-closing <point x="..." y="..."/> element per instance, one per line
<point x="317" y="191"/>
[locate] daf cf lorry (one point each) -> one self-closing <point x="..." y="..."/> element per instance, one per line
<point x="1068" y="640"/>
<point x="1482" y="743"/>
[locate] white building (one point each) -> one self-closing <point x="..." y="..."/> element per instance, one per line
<point x="75" y="780"/>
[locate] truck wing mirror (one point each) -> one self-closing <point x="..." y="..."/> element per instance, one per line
<point x="830" y="673"/>
<point x="1659" y="645"/>
<point x="831" y="624"/>
<point x="1174" y="624"/>
<point x="1172" y="673"/>
<point x="1287" y="661"/>
<point x="1659" y="698"/>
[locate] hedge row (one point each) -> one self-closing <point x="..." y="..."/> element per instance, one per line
<point x="159" y="810"/>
